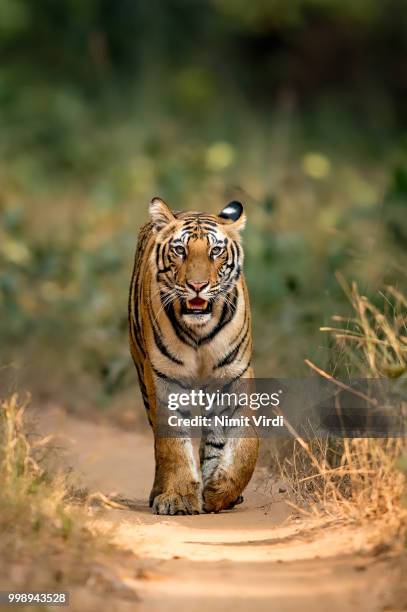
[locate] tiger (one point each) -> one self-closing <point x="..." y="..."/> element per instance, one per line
<point x="190" y="318"/>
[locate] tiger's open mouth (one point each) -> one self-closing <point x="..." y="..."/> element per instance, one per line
<point x="196" y="306"/>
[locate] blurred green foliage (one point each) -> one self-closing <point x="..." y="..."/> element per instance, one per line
<point x="295" y="108"/>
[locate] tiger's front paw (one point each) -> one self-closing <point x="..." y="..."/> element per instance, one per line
<point x="220" y="492"/>
<point x="175" y="503"/>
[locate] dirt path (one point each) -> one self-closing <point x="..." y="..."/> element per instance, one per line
<point x="257" y="555"/>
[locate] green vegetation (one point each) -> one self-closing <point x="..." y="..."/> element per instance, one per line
<point x="294" y="108"/>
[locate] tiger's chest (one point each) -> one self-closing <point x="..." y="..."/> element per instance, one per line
<point x="213" y="358"/>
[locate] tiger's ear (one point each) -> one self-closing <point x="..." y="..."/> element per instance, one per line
<point x="234" y="212"/>
<point x="160" y="214"/>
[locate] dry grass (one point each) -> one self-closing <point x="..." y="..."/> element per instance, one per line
<point x="359" y="478"/>
<point x="45" y="541"/>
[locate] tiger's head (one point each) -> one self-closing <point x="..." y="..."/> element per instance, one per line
<point x="198" y="259"/>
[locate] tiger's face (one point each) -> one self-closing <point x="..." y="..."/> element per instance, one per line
<point x="198" y="259"/>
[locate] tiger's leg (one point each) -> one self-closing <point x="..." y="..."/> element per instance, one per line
<point x="227" y="465"/>
<point x="177" y="484"/>
<point x="228" y="455"/>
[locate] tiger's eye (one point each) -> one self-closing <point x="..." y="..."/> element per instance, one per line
<point x="216" y="251"/>
<point x="180" y="250"/>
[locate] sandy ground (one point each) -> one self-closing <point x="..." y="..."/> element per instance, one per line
<point x="259" y="555"/>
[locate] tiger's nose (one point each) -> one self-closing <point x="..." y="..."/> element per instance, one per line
<point x="197" y="286"/>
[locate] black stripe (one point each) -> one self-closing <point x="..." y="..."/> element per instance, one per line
<point x="241" y="373"/>
<point x="244" y="325"/>
<point x="157" y="255"/>
<point x="168" y="378"/>
<point x="161" y="374"/>
<point x="180" y="331"/>
<point x="245" y="347"/>
<point x="228" y="312"/>
<point x="218" y="445"/>
<point x="228" y="358"/>
<point x="159" y="343"/>
<point x="134" y="329"/>
<point x="210" y="223"/>
<point x="137" y="338"/>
